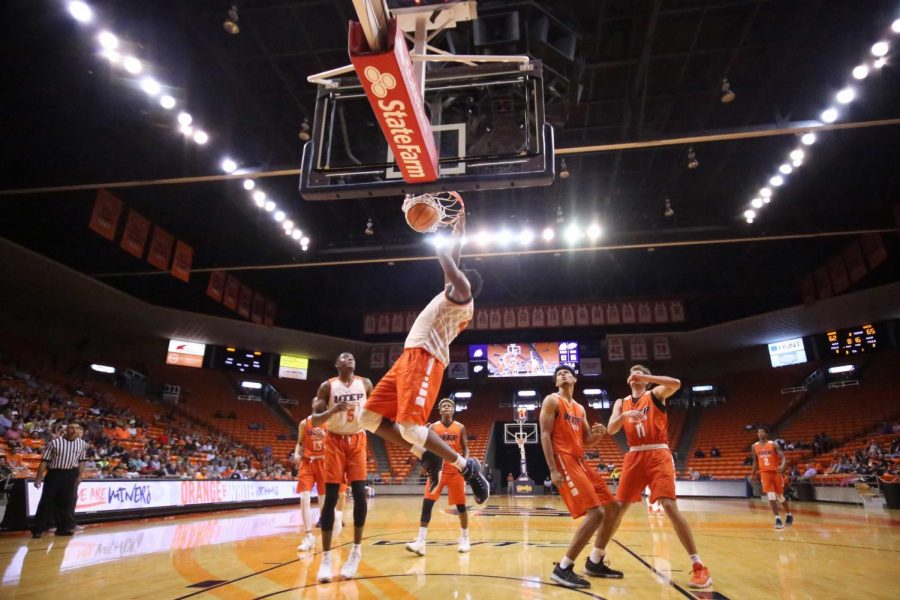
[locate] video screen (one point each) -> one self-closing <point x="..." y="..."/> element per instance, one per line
<point x="788" y="352"/>
<point x="529" y="359"/>
<point x="848" y="342"/>
<point x="242" y="361"/>
<point x="185" y="354"/>
<point x="293" y="367"/>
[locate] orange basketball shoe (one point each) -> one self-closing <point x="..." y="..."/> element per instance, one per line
<point x="700" y="577"/>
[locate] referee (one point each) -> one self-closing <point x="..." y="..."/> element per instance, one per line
<point x="62" y="463"/>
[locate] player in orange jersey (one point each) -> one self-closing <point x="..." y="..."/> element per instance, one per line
<point x="649" y="460"/>
<point x="338" y="403"/>
<point x="309" y="456"/>
<point x="454" y="435"/>
<point x="401" y="403"/>
<point x="769" y="462"/>
<point x="565" y="432"/>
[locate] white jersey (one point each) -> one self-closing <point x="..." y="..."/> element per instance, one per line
<point x="346" y="422"/>
<point x="438" y="325"/>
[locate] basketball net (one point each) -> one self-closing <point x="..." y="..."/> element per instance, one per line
<point x="448" y="206"/>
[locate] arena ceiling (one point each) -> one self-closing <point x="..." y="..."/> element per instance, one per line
<point x="642" y="70"/>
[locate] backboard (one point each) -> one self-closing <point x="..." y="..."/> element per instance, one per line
<point x="455" y="122"/>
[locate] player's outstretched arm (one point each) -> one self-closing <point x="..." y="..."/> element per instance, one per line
<point x="448" y="257"/>
<point x="547" y="421"/>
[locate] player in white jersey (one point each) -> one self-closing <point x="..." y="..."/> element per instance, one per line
<point x="339" y="402"/>
<point x="398" y="407"/>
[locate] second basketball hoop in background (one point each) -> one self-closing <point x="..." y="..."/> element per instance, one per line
<point x="426" y="212"/>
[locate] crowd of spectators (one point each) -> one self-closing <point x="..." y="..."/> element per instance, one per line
<point x="120" y="443"/>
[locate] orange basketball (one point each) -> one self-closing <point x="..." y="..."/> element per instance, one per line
<point x="421" y="217"/>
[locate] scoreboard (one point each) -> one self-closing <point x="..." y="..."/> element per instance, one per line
<point x="858" y="340"/>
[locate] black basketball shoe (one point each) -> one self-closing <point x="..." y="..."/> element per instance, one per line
<point x="601" y="569"/>
<point x="433" y="465"/>
<point x="568" y="578"/>
<point x="480" y="488"/>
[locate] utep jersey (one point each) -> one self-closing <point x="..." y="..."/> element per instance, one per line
<point x="766" y="455"/>
<point x="346" y="422"/>
<point x="652" y="430"/>
<point x="568" y="428"/>
<point x="313" y="440"/>
<point x="452" y="436"/>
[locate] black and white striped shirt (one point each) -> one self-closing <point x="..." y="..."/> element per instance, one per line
<point x="61" y="453"/>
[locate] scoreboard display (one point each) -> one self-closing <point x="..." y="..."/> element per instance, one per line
<point x="242" y="361"/>
<point x="847" y="342"/>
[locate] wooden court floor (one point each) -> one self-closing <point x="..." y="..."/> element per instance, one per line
<point x="833" y="551"/>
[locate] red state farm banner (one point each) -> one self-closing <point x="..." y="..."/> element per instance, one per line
<point x="216" y="286"/>
<point x="232" y="291"/>
<point x="388" y="80"/>
<point x="245" y="301"/>
<point x="106" y="214"/>
<point x="838" y="271"/>
<point x="137" y="228"/>
<point x="856" y="266"/>
<point x="269" y="314"/>
<point x="160" y="248"/>
<point x="181" y="264"/>
<point x="258" y="308"/>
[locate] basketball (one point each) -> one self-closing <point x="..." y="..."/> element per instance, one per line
<point x="421" y="217"/>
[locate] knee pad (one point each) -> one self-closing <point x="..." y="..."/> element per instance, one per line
<point x="369" y="420"/>
<point x="772" y="496"/>
<point x="427" y="505"/>
<point x="461" y="508"/>
<point x="414" y="434"/>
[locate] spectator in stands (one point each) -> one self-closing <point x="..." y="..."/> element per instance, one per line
<point x="698" y="453"/>
<point x="809" y="472"/>
<point x="748" y="461"/>
<point x="617" y="472"/>
<point x="695" y="475"/>
<point x="715" y="453"/>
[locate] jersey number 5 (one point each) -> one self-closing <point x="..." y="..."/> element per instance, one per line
<point x="351" y="414"/>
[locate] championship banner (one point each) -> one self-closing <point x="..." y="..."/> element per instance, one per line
<point x="106" y="214"/>
<point x="137" y="228"/>
<point x="823" y="283"/>
<point x="390" y="85"/>
<point x="216" y="286"/>
<point x="369" y="324"/>
<point x="873" y="249"/>
<point x="257" y="308"/>
<point x="245" y="301"/>
<point x="628" y="316"/>
<point x="181" y="264"/>
<point x="661" y="350"/>
<point x="397" y="323"/>
<point x="537" y="317"/>
<point x="410" y="320"/>
<point x="523" y="321"/>
<point x="509" y="318"/>
<point x="552" y="316"/>
<point x="676" y="311"/>
<point x="384" y="323"/>
<point x="838" y="272"/>
<point x="660" y="312"/>
<point x="160" y="248"/>
<point x="376" y="358"/>
<point x="638" y="348"/>
<point x="395" y="352"/>
<point x="856" y="266"/>
<point x="495" y="322"/>
<point x="582" y="315"/>
<point x="612" y="314"/>
<point x="615" y="347"/>
<point x="644" y="314"/>
<point x="232" y="290"/>
<point x="598" y="317"/>
<point x="568" y="316"/>
<point x="269" y="313"/>
<point x="482" y="319"/>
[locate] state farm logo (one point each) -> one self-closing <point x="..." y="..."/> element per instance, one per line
<point x="381" y="82"/>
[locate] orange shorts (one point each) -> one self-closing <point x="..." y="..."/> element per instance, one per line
<point x="345" y="458"/>
<point x="312" y="471"/>
<point x="456" y="487"/>
<point x="406" y="394"/>
<point x="582" y="488"/>
<point x="654" y="468"/>
<point x="772" y="481"/>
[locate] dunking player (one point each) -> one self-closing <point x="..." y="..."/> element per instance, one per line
<point x="398" y="408"/>
<point x="649" y="460"/>
<point x="339" y="402"/>
<point x="766" y="454"/>
<point x="309" y="456"/>
<point x="454" y="434"/>
<point x="564" y="433"/>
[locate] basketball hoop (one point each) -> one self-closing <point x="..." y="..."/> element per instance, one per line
<point x="521" y="415"/>
<point x="447" y="205"/>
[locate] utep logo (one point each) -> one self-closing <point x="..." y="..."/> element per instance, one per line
<point x="381" y="82"/>
<point x="574" y="421"/>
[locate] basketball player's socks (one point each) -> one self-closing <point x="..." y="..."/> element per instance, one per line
<point x="464" y="533"/>
<point x="566" y="562"/>
<point x="423" y="533"/>
<point x="417" y="451"/>
<point x="357" y="549"/>
<point x="695" y="559"/>
<point x="460" y="464"/>
<point x="597" y="555"/>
